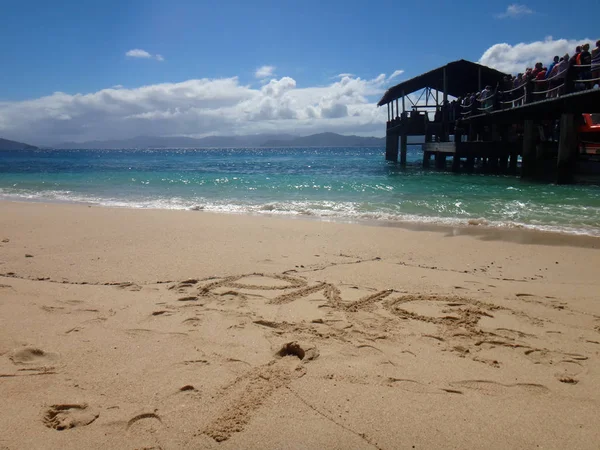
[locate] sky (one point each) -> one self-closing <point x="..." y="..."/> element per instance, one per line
<point x="84" y="70"/>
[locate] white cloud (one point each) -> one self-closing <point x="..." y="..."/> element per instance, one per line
<point x="138" y="53"/>
<point x="515" y="11"/>
<point x="143" y="54"/>
<point x="199" y="107"/>
<point x="396" y="73"/>
<point x="342" y="75"/>
<point x="516" y="58"/>
<point x="265" y="72"/>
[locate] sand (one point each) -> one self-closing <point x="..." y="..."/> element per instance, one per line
<point x="183" y="329"/>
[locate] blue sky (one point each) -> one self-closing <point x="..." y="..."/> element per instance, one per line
<point x="80" y="47"/>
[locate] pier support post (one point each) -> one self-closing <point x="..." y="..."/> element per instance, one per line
<point x="456" y="162"/>
<point x="493" y="164"/>
<point x="540" y="152"/>
<point x="503" y="163"/>
<point x="567" y="149"/>
<point x="403" y="149"/>
<point x="512" y="164"/>
<point x="529" y="153"/>
<point x="428" y="135"/>
<point x="472" y="133"/>
<point x="457" y="136"/>
<point x="470" y="163"/>
<point x="440" y="160"/>
<point x="426" y="158"/>
<point x="391" y="147"/>
<point x="457" y="146"/>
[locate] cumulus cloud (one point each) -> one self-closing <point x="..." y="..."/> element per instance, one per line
<point x="334" y="111"/>
<point x="197" y="108"/>
<point x="515" y="11"/>
<point x="516" y="58"/>
<point x="264" y="72"/>
<point x="143" y="54"/>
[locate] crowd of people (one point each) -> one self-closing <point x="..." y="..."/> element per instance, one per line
<point x="583" y="67"/>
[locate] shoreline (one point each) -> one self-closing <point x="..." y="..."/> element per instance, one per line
<point x="481" y="230"/>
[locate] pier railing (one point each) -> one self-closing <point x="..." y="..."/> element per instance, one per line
<point x="573" y="78"/>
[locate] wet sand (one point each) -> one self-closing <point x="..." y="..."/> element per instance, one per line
<point x="177" y="329"/>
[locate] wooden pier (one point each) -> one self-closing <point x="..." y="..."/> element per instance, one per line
<point x="495" y="135"/>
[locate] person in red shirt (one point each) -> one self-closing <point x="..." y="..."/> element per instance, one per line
<point x="540" y="82"/>
<point x="541" y="75"/>
<point x="577" y="56"/>
<point x="536" y="70"/>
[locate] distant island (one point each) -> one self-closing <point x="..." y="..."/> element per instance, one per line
<point x="5" y="144"/>
<point x="259" y="140"/>
<point x="327" y="140"/>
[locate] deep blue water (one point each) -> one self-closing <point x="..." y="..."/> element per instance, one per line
<point x="332" y="183"/>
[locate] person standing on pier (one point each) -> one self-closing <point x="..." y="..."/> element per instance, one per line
<point x="551" y="66"/>
<point x="596" y="64"/>
<point x="585" y="61"/>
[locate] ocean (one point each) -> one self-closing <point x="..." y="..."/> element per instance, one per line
<point x="339" y="184"/>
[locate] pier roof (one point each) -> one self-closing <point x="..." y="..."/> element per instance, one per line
<point x="462" y="77"/>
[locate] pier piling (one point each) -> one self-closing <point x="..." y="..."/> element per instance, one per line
<point x="391" y="147"/>
<point x="567" y="149"/>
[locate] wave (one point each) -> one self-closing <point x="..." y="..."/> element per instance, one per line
<point x="322" y="210"/>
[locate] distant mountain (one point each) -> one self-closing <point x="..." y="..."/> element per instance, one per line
<point x="328" y="140"/>
<point x="177" y="142"/>
<point x="5" y="144"/>
<point x="259" y="140"/>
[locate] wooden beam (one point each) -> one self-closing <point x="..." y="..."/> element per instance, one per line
<point x="391" y="147"/>
<point x="440" y="160"/>
<point x="529" y="157"/>
<point x="457" y="146"/>
<point x="567" y="149"/>
<point x="456" y="162"/>
<point x="403" y="149"/>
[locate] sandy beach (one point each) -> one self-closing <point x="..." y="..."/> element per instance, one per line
<point x="150" y="329"/>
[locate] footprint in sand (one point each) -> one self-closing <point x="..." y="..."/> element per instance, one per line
<point x="55" y="309"/>
<point x="128" y="286"/>
<point x="153" y="417"/>
<point x="142" y="332"/>
<point x="513" y="335"/>
<point x="493" y="388"/>
<point x="31" y="355"/>
<point x="66" y="416"/>
<point x="412" y="386"/>
<point x="566" y="364"/>
<point x="193" y="321"/>
<point x="184" y="285"/>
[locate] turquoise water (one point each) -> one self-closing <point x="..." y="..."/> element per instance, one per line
<point x="327" y="183"/>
